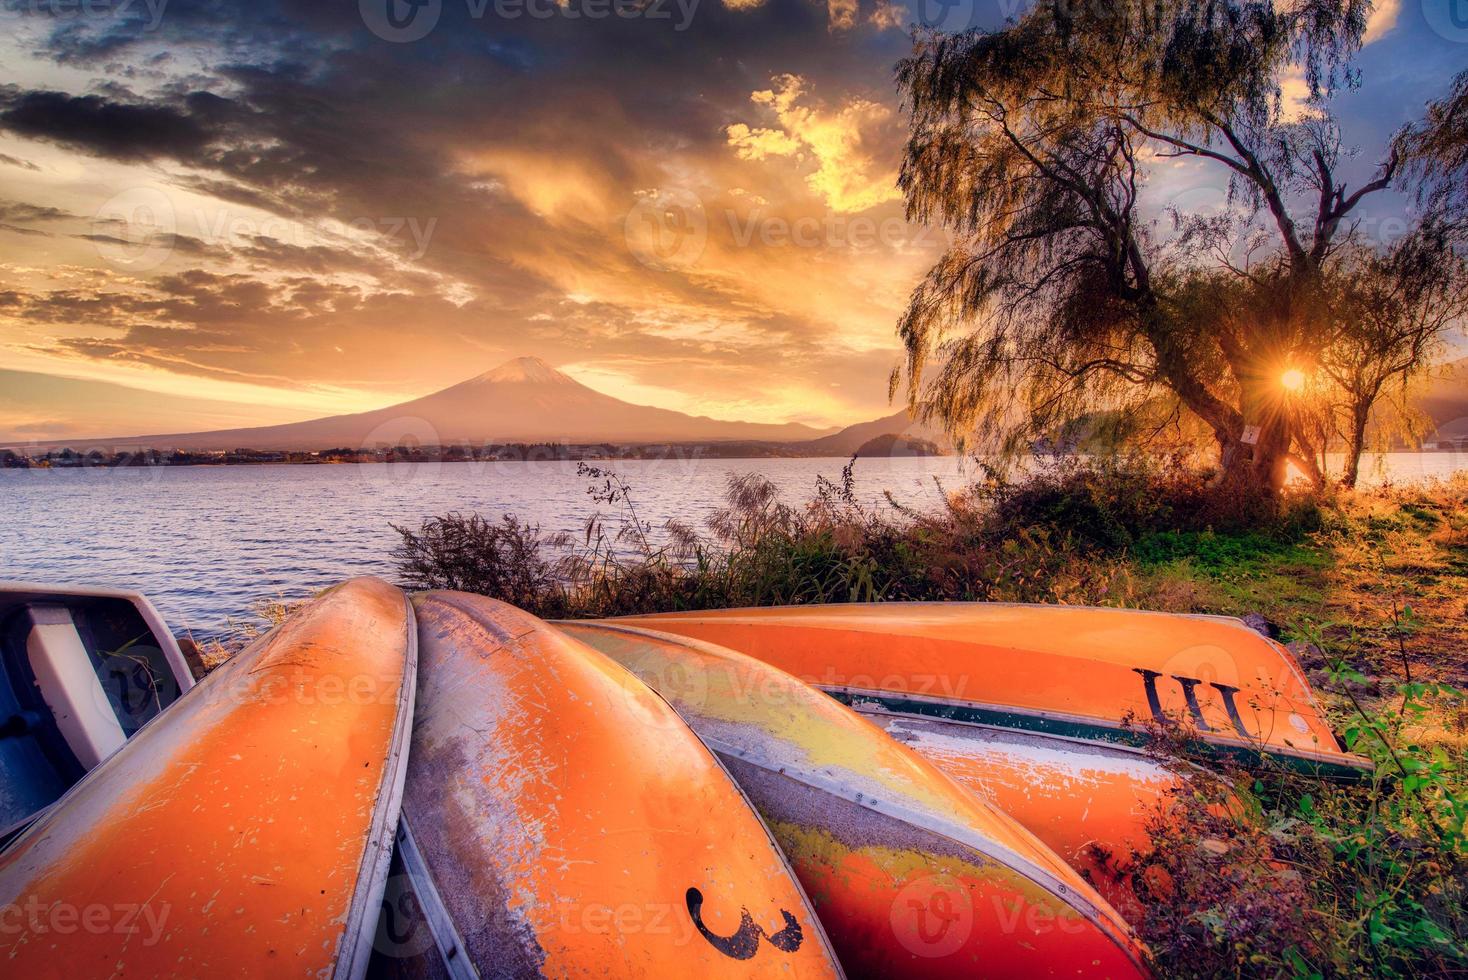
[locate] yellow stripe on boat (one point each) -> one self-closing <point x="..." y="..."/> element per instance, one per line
<point x="565" y="822"/>
<point x="244" y="832"/>
<point x="912" y="875"/>
<point x="1083" y="672"/>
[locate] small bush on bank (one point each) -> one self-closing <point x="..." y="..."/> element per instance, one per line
<point x="1052" y="537"/>
<point x="467" y="553"/>
<point x="1105" y="505"/>
<point x="758" y="550"/>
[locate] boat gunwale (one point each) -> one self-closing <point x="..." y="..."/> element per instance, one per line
<point x="354" y="948"/>
<point x="453" y="954"/>
<point x="1059" y="724"/>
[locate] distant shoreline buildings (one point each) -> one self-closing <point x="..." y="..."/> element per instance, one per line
<point x="102" y="458"/>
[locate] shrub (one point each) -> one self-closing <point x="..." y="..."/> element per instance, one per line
<point x="1105" y="505"/>
<point x="758" y="550"/>
<point x="504" y="560"/>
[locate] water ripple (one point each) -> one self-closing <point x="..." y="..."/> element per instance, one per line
<point x="205" y="543"/>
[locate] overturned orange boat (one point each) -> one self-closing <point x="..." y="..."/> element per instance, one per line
<point x="560" y="820"/>
<point x="244" y="831"/>
<point x="912" y="875"/>
<point x="1099" y="674"/>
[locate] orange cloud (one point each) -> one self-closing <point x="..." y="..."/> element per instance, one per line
<point x="846" y="175"/>
<point x="1383" y="20"/>
<point x="842" y="14"/>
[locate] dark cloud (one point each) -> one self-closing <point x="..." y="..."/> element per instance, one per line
<point x="106" y="128"/>
<point x="378" y="213"/>
<point x="31" y="213"/>
<point x="182" y="244"/>
<point x="17" y="217"/>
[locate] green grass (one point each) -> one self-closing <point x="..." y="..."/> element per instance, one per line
<point x="1283" y="578"/>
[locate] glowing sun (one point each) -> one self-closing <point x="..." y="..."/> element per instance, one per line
<point x="1293" y="380"/>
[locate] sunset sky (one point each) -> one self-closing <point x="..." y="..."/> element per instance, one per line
<point x="215" y="214"/>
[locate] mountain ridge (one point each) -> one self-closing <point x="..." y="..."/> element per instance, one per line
<point x="523" y="400"/>
<point x="853" y="438"/>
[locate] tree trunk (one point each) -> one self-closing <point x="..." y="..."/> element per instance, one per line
<point x="1355" y="446"/>
<point x="1272" y="453"/>
<point x="1244" y="478"/>
<point x="1310" y="460"/>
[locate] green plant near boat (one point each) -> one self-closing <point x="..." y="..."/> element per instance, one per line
<point x="1272" y="872"/>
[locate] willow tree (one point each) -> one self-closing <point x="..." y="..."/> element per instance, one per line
<point x="1392" y="309"/>
<point x="1438" y="150"/>
<point x="1033" y="146"/>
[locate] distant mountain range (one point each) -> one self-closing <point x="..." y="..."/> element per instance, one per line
<point x="522" y="401"/>
<point x="865" y="435"/>
<point x="1446" y="402"/>
<point x="528" y="401"/>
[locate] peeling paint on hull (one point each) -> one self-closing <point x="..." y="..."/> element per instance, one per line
<point x="1089" y="802"/>
<point x="573" y="826"/>
<point x="249" y="826"/>
<point x="1071" y="671"/>
<point x="912" y="875"/>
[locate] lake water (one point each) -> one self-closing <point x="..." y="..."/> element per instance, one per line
<point x="205" y="543"/>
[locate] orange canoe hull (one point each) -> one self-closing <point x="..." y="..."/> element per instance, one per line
<point x="247" y="830"/>
<point x="1076" y="672"/>
<point x="912" y="875"/>
<point x="565" y="822"/>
